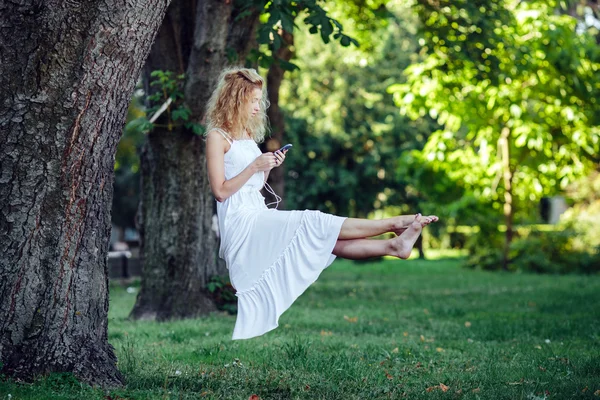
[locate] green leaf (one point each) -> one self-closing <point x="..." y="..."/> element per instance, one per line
<point x="277" y="41"/>
<point x="264" y="34"/>
<point x="287" y="23"/>
<point x="231" y="54"/>
<point x="182" y="113"/>
<point x="198" y="129"/>
<point x="288" y="66"/>
<point x="265" y="61"/>
<point x="141" y="125"/>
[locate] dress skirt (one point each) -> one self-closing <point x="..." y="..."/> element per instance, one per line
<point x="273" y="256"/>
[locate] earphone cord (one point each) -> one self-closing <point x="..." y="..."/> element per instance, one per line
<point x="277" y="198"/>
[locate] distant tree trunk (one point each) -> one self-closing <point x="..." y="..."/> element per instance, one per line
<point x="274" y="79"/>
<point x="178" y="246"/>
<point x="507" y="175"/>
<point x="67" y="73"/>
<point x="419" y="245"/>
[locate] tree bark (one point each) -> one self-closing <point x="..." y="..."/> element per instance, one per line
<point x="507" y="175"/>
<point x="67" y="73"/>
<point x="276" y="118"/>
<point x="179" y="248"/>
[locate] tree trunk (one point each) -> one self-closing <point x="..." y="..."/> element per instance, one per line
<point x="179" y="248"/>
<point x="419" y="246"/>
<point x="507" y="175"/>
<point x="67" y="73"/>
<point x="276" y="118"/>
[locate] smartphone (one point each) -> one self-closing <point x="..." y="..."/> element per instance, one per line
<point x="286" y="147"/>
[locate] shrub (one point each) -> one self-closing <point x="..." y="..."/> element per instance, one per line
<point x="539" y="251"/>
<point x="223" y="293"/>
<point x="552" y="252"/>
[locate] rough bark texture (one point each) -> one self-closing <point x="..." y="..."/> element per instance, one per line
<point x="179" y="248"/>
<point x="276" y="118"/>
<point x="67" y="72"/>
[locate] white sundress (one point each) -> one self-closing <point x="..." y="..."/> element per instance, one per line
<point x="273" y="256"/>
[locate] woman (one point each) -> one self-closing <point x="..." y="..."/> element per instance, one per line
<point x="273" y="255"/>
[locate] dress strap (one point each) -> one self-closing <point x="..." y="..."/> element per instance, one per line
<point x="225" y="135"/>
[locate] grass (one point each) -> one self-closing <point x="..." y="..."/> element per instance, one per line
<point x="393" y="329"/>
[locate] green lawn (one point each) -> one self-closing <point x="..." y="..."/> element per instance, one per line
<point x="394" y="329"/>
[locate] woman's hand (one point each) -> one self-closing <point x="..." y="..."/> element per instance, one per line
<point x="265" y="162"/>
<point x="280" y="156"/>
<point x="268" y="161"/>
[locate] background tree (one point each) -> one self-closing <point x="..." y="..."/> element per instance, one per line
<point x="178" y="247"/>
<point x="280" y="26"/>
<point x="197" y="40"/>
<point x="346" y="129"/>
<point x="514" y="87"/>
<point x="67" y="72"/>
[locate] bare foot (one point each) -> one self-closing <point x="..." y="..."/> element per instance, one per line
<point x="402" y="245"/>
<point x="400" y="225"/>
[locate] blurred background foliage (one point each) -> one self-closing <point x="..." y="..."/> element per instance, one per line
<point x="472" y="110"/>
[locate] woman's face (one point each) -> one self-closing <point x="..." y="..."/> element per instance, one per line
<point x="254" y="102"/>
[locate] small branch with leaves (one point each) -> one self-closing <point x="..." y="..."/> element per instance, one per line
<point x="167" y="102"/>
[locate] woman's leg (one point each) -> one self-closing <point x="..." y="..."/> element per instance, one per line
<point x="400" y="246"/>
<point x="356" y="228"/>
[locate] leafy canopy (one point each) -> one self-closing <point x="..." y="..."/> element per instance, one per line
<point x="494" y="65"/>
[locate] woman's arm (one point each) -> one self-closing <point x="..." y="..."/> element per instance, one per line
<point x="216" y="146"/>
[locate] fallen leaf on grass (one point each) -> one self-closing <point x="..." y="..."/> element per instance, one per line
<point x="405" y="334"/>
<point x="326" y="333"/>
<point x="597" y="393"/>
<point x="476" y="390"/>
<point x="387" y="375"/>
<point x="585" y="389"/>
<point x="395" y="350"/>
<point x="350" y="319"/>
<point x="439" y="349"/>
<point x="441" y="386"/>
<point x="537" y="346"/>
<point x="468" y="324"/>
<point x="254" y="397"/>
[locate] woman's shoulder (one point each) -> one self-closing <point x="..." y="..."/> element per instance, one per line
<point x="219" y="133"/>
<point x="214" y="138"/>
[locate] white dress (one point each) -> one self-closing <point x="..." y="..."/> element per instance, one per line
<point x="273" y="256"/>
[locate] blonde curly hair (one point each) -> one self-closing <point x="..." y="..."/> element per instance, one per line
<point x="228" y="99"/>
